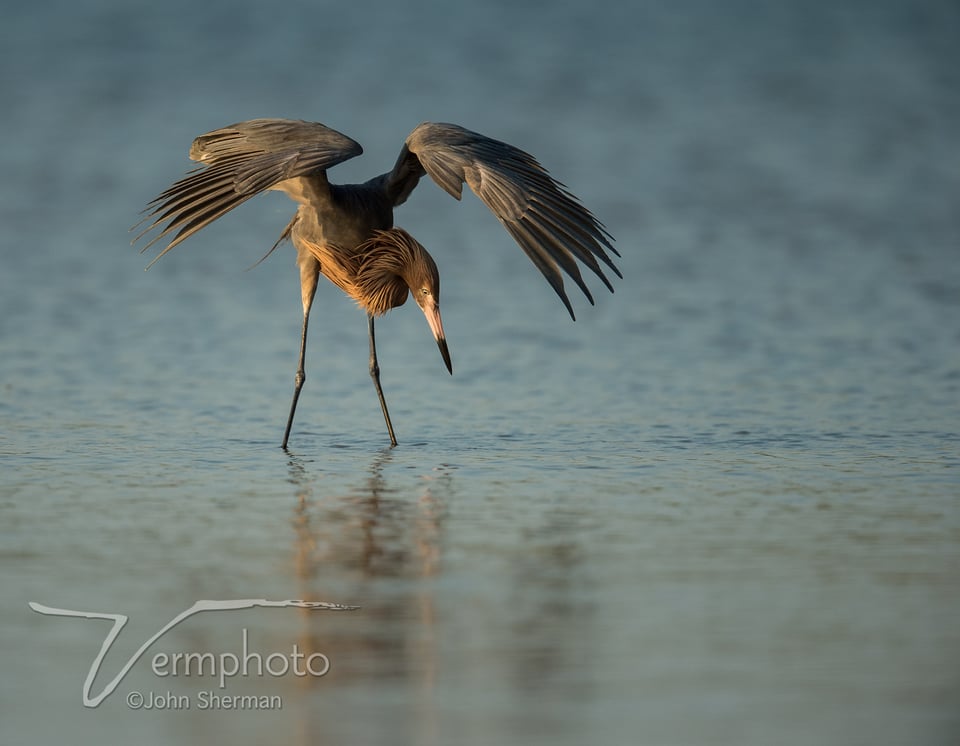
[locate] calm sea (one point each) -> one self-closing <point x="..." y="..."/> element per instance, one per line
<point x="719" y="508"/>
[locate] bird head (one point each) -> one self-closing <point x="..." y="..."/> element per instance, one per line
<point x="393" y="261"/>
<point x="423" y="279"/>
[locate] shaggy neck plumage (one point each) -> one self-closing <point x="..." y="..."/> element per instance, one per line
<point x="389" y="263"/>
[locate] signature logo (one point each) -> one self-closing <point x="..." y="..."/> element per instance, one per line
<point x="224" y="665"/>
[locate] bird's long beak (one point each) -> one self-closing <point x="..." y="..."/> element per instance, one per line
<point x="432" y="311"/>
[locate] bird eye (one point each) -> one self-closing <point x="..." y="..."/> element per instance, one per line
<point x="424" y="291"/>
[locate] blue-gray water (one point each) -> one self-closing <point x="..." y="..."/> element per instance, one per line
<point x="720" y="508"/>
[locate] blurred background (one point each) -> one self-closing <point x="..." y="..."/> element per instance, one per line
<point x="720" y="508"/>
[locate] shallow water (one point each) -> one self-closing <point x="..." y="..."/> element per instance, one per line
<point x="719" y="508"/>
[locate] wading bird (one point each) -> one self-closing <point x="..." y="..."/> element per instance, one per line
<point x="345" y="231"/>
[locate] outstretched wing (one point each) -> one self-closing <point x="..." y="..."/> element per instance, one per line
<point x="548" y="222"/>
<point x="239" y="162"/>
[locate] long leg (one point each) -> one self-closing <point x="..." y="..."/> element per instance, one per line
<point x="375" y="375"/>
<point x="309" y="275"/>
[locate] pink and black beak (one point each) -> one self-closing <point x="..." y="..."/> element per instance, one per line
<point x="432" y="311"/>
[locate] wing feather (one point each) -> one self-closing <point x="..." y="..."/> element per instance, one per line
<point x="551" y="226"/>
<point x="239" y="162"/>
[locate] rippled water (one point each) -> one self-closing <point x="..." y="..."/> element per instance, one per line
<point x="720" y="508"/>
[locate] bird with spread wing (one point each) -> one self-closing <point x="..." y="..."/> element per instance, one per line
<point x="345" y="231"/>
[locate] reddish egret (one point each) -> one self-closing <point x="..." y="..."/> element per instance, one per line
<point x="345" y="231"/>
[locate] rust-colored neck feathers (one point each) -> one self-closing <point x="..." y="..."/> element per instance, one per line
<point x="380" y="272"/>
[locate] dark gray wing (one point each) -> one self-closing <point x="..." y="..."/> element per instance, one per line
<point x="548" y="222"/>
<point x="239" y="162"/>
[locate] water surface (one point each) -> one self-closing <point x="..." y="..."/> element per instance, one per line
<point x="720" y="508"/>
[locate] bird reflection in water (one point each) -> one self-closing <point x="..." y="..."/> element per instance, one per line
<point x="354" y="545"/>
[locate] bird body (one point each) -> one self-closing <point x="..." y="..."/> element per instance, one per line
<point x="346" y="232"/>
